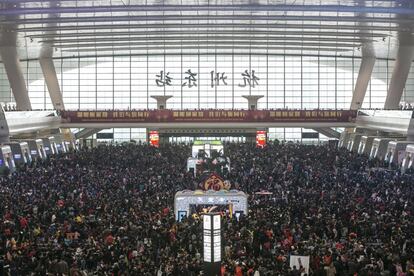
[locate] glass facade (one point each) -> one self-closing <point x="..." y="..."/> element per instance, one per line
<point x="206" y="81"/>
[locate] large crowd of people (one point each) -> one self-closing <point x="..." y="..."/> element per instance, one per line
<point x="109" y="211"/>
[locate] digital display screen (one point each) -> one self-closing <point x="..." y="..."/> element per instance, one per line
<point x="33" y="152"/>
<point x="47" y="148"/>
<point x="261" y="138"/>
<point x="17" y="156"/>
<point x="212" y="238"/>
<point x="154" y="138"/>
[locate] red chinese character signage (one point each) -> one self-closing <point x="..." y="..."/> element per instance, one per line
<point x="260" y="138"/>
<point x="154" y="138"/>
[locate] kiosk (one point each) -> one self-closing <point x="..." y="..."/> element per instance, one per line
<point x="407" y="162"/>
<point x="7" y="158"/>
<point x="353" y="142"/>
<point x="396" y="152"/>
<point x="379" y="147"/>
<point x="235" y="201"/>
<point x="366" y="144"/>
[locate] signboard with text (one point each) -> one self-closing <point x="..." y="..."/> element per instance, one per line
<point x="174" y="116"/>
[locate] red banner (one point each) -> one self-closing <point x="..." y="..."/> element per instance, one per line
<point x="173" y="116"/>
<point x="154" y="138"/>
<point x="260" y="138"/>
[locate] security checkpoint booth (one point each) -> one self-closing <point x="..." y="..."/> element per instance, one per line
<point x="365" y="144"/>
<point x="353" y="142"/>
<point x="186" y="202"/>
<point x="379" y="147"/>
<point x="407" y="162"/>
<point x="6" y="158"/>
<point x="396" y="152"/>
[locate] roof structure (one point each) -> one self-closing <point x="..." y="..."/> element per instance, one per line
<point x="151" y="27"/>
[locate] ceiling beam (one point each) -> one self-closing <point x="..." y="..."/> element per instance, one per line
<point x="250" y="26"/>
<point x="212" y="38"/>
<point x="207" y="17"/>
<point x="405" y="10"/>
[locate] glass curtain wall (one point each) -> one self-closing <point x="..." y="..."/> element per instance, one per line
<point x="207" y="81"/>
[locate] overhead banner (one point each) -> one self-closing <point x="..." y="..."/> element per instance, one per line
<point x="173" y="116"/>
<point x="154" y="138"/>
<point x="261" y="138"/>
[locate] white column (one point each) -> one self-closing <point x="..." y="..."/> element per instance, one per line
<point x="15" y="75"/>
<point x="49" y="73"/>
<point x="399" y="76"/>
<point x="364" y="76"/>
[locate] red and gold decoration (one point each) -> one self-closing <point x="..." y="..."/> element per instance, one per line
<point x="215" y="182"/>
<point x="154" y="138"/>
<point x="261" y="138"/>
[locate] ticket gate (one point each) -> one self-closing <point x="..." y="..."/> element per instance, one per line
<point x="396" y="152"/>
<point x="60" y="144"/>
<point x="343" y="140"/>
<point x="407" y="162"/>
<point x="21" y="152"/>
<point x="26" y="152"/>
<point x="49" y="145"/>
<point x="353" y="142"/>
<point x="36" y="148"/>
<point x="70" y="145"/>
<point x="379" y="147"/>
<point x="7" y="158"/>
<point x="366" y="144"/>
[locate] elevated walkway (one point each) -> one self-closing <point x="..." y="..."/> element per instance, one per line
<point x="31" y="121"/>
<point x="396" y="121"/>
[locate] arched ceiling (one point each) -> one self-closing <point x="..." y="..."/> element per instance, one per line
<point x="299" y="27"/>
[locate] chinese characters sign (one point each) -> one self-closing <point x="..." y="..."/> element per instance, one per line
<point x="174" y="116"/>
<point x="248" y="78"/>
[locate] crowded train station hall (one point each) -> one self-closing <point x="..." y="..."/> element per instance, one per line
<point x="208" y="137"/>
